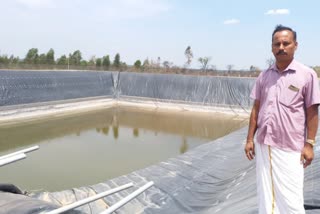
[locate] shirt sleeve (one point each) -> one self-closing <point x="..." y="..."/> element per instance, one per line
<point x="312" y="92"/>
<point x="255" y="92"/>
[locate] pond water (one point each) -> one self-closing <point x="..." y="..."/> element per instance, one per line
<point x="93" y="147"/>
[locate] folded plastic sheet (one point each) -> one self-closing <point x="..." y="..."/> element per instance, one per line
<point x="20" y="204"/>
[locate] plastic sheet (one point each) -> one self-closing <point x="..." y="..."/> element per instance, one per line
<point x="17" y="203"/>
<point x="25" y="87"/>
<point x="212" y="178"/>
<point x="200" y="90"/>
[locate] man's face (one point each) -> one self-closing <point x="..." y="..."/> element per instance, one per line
<point x="283" y="46"/>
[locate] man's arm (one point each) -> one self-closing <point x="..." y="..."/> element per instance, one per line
<point x="307" y="153"/>
<point x="249" y="148"/>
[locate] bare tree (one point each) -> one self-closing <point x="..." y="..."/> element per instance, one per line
<point x="189" y="55"/>
<point x="213" y="68"/>
<point x="204" y="61"/>
<point x="270" y="61"/>
<point x="167" y="64"/>
<point x="229" y="68"/>
<point x="253" y="68"/>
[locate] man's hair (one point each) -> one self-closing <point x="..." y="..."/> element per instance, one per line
<point x="282" y="28"/>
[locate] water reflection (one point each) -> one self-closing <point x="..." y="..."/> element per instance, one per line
<point x="105" y="130"/>
<point x="115" y="130"/>
<point x="184" y="145"/>
<point x="86" y="150"/>
<point x="135" y="132"/>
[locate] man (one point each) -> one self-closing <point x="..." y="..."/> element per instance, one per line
<point x="285" y="116"/>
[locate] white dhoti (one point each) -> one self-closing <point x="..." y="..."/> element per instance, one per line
<point x="279" y="180"/>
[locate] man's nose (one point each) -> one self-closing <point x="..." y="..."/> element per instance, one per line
<point x="281" y="47"/>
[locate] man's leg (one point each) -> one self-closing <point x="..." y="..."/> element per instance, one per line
<point x="265" y="187"/>
<point x="288" y="175"/>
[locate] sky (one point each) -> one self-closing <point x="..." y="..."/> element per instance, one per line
<point x="230" y="32"/>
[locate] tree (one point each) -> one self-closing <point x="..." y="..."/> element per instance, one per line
<point x="83" y="63"/>
<point x="50" y="57"/>
<point x="167" y="64"/>
<point x="75" y="58"/>
<point x="137" y="64"/>
<point x="4" y="60"/>
<point x="204" y="61"/>
<point x="189" y="55"/>
<point x="253" y="68"/>
<point x="158" y="62"/>
<point x="270" y="61"/>
<point x="92" y="61"/>
<point x="98" y="62"/>
<point x="106" y="62"/>
<point x="116" y="61"/>
<point x="42" y="60"/>
<point x="213" y="68"/>
<point x="14" y="60"/>
<point x="123" y="66"/>
<point x="62" y="60"/>
<point x="229" y="68"/>
<point x="32" y="56"/>
<point x="146" y="63"/>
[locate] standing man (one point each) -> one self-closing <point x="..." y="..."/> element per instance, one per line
<point x="285" y="116"/>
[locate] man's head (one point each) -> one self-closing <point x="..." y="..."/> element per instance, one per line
<point x="284" y="44"/>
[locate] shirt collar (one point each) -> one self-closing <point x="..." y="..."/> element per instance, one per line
<point x="291" y="67"/>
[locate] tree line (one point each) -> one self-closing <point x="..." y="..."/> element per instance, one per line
<point x="34" y="59"/>
<point x="75" y="61"/>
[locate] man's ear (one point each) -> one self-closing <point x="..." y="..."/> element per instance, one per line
<point x="296" y="46"/>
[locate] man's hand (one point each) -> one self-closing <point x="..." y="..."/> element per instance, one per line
<point x="249" y="150"/>
<point x="307" y="155"/>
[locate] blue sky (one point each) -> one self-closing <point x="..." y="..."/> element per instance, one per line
<point x="230" y="32"/>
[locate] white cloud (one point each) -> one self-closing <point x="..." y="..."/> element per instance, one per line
<point x="278" y="12"/>
<point x="36" y="4"/>
<point x="231" y="22"/>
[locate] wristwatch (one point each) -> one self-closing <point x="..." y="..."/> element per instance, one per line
<point x="312" y="142"/>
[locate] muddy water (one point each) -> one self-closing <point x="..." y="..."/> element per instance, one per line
<point x="90" y="148"/>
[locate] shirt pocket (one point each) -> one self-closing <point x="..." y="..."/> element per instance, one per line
<point x="290" y="95"/>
